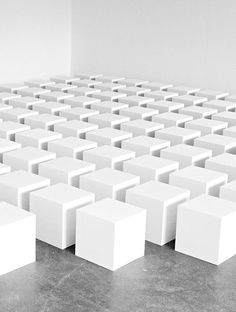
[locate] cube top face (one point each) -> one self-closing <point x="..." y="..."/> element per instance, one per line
<point x="111" y="210"/>
<point x="109" y="117"/>
<point x="231" y="131"/>
<point x="110" y="133"/>
<point x="76" y="125"/>
<point x="231" y="186"/>
<point x="110" y="78"/>
<point x="63" y="194"/>
<point x="210" y="205"/>
<point x="68" y="165"/>
<point x="23" y="179"/>
<point x="4" y="107"/>
<point x="220" y="105"/>
<point x="136" y="100"/>
<point x="144" y="140"/>
<point x="109" y="106"/>
<point x="162" y="95"/>
<point x="178" y="131"/>
<point x="86" y="83"/>
<point x="32" y="91"/>
<point x="11" y="87"/>
<point x="111" y="177"/>
<point x="157" y="85"/>
<point x="133" y="82"/>
<point x="109" y="95"/>
<point x="11" y="214"/>
<point x="216" y="139"/>
<point x="39" y="134"/>
<point x="200" y="174"/>
<point x="142" y="124"/>
<point x="84" y="91"/>
<point x="225" y="115"/>
<point x="182" y="90"/>
<point x="12" y="126"/>
<point x="50" y="107"/>
<point x="159" y="191"/>
<point x="39" y="83"/>
<point x="56" y="96"/>
<point x="16" y="114"/>
<point x="110" y="86"/>
<point x="6" y="145"/>
<point x="73" y="143"/>
<point x="138" y="112"/>
<point x="198" y="111"/>
<point x="60" y="87"/>
<point x="212" y="94"/>
<point x="82" y="100"/>
<point x="30" y="154"/>
<point x="131" y="90"/>
<point x="88" y="75"/>
<point x="157" y="163"/>
<point x="4" y="168"/>
<point x="190" y="99"/>
<point x="47" y="118"/>
<point x="25" y="101"/>
<point x="225" y="159"/>
<point x="206" y="126"/>
<point x="165" y="106"/>
<point x="173" y="117"/>
<point x="78" y="112"/>
<point x="6" y="96"/>
<point x="188" y="150"/>
<point x="63" y="79"/>
<point x="110" y="152"/>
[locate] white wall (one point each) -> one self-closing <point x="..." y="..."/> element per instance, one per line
<point x="35" y="38"/>
<point x="180" y="41"/>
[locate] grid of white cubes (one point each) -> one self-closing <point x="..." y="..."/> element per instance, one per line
<point x="105" y="162"/>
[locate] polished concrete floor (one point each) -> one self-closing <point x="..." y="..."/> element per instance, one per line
<point x="162" y="281"/>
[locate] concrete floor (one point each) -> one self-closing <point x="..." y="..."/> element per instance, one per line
<point x="162" y="281"/>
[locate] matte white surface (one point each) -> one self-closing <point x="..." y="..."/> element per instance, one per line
<point x="75" y="128"/>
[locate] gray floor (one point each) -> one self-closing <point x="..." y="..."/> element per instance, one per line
<point x="162" y="281"/>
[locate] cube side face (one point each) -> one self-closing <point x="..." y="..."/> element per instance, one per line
<point x="49" y="220"/>
<point x="10" y="194"/>
<point x="95" y="240"/>
<point x="227" y="193"/>
<point x="227" y="246"/>
<point x="146" y="174"/>
<point x="100" y="190"/>
<point x="55" y="176"/>
<point x="197" y="235"/>
<point x="129" y="240"/>
<point x="17" y="244"/>
<point x="101" y="162"/>
<point x="154" y="218"/>
<point x="196" y="188"/>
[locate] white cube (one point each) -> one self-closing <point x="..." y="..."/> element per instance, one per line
<point x="212" y="94"/>
<point x="217" y="143"/>
<point x="108" y="120"/>
<point x="4" y="107"/>
<point x="88" y="83"/>
<point x="171" y="119"/>
<point x="16" y="186"/>
<point x="108" y="156"/>
<point x="63" y="87"/>
<point x="141" y="127"/>
<point x="25" y="102"/>
<point x="228" y="117"/>
<point x="5" y="97"/>
<point x="198" y="112"/>
<point x="190" y="100"/>
<point x="81" y="101"/>
<point x="17" y="239"/>
<point x="133" y="82"/>
<point x="151" y="168"/>
<point x="65" y="170"/>
<point x="139" y="112"/>
<point x="109" y="96"/>
<point x="165" y="106"/>
<point x="84" y="91"/>
<point x="7" y="146"/>
<point x="225" y="163"/>
<point x="161" y="95"/>
<point x="109" y="107"/>
<point x="64" y="79"/>
<point x="178" y="135"/>
<point x="91" y="76"/>
<point x="12" y="87"/>
<point x="228" y="191"/>
<point x="156" y="86"/>
<point x="50" y="108"/>
<point x="142" y="145"/>
<point x="110" y="86"/>
<point x="108" y="136"/>
<point x="231" y="98"/>
<point x="199" y="180"/>
<point x="17" y="114"/>
<point x="187" y="155"/>
<point x="32" y="91"/>
<point x="27" y="158"/>
<point x="183" y="90"/>
<point x="8" y="129"/>
<point x="71" y="147"/>
<point x="39" y="83"/>
<point x="56" y="96"/>
<point x="220" y="105"/>
<point x="206" y="229"/>
<point x="114" y="227"/>
<point x="44" y="121"/>
<point x="231" y="132"/>
<point x="131" y="90"/>
<point x="110" y="78"/>
<point x="75" y="128"/>
<point x="55" y="209"/>
<point x="135" y="100"/>
<point x="78" y="113"/>
<point x="108" y="182"/>
<point x="37" y="138"/>
<point x="160" y="201"/>
<point x="207" y="126"/>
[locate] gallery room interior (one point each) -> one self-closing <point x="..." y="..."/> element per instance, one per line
<point x="117" y="156"/>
